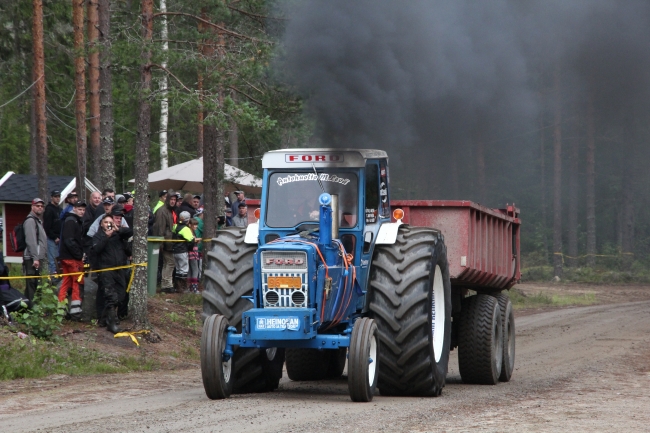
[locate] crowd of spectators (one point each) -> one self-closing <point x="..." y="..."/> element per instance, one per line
<point x="99" y="233"/>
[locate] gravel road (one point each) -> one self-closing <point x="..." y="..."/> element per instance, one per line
<point x="578" y="369"/>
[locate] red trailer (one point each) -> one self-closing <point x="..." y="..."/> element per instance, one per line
<point x="482" y="243"/>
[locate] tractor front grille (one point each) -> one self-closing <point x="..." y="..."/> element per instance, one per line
<point x="285" y="289"/>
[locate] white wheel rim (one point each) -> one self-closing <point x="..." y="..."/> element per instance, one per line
<point x="270" y="353"/>
<point x="373" y="365"/>
<point x="438" y="314"/>
<point x="226" y="368"/>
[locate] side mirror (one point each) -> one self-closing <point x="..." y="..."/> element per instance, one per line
<point x="367" y="242"/>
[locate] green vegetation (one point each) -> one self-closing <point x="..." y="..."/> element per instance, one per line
<point x="46" y="315"/>
<point x="638" y="274"/>
<point x="32" y="358"/>
<point x="541" y="300"/>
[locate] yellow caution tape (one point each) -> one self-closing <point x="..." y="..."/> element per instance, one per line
<point x="132" y="265"/>
<point x="132" y="335"/>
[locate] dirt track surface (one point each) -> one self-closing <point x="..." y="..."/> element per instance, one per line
<point x="578" y="369"/>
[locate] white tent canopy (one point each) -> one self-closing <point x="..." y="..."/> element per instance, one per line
<point x="188" y="176"/>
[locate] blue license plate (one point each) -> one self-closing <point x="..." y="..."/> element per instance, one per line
<point x="274" y="323"/>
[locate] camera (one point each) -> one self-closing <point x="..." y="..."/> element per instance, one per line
<point x="110" y="226"/>
<point x="221" y="220"/>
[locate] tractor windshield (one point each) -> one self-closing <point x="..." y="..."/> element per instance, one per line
<point x="293" y="197"/>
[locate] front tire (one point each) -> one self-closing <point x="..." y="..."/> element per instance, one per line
<point x="410" y="300"/>
<point x="363" y="369"/>
<point x="229" y="277"/>
<point x="216" y="373"/>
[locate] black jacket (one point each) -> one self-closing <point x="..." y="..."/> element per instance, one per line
<point x="71" y="245"/>
<point x="111" y="251"/>
<point x="186" y="207"/>
<point x="51" y="221"/>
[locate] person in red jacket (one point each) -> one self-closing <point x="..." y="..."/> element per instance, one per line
<point x="71" y="255"/>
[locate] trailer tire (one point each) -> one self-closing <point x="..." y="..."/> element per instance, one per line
<point x="229" y="277"/>
<point x="480" y="345"/>
<point x="307" y="364"/>
<point x="410" y="300"/>
<point x="508" y="330"/>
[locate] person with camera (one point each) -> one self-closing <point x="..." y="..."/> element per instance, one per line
<point x="111" y="249"/>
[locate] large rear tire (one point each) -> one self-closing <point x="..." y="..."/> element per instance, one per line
<point x="216" y="373"/>
<point x="307" y="364"/>
<point x="508" y="328"/>
<point x="480" y="345"/>
<point x="410" y="300"/>
<point x="229" y="277"/>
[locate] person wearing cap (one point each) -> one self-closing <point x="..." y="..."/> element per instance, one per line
<point x="128" y="209"/>
<point x="181" y="232"/>
<point x="111" y="249"/>
<point x="52" y="226"/>
<point x="240" y="199"/>
<point x="163" y="225"/>
<point x="71" y="254"/>
<point x="36" y="247"/>
<point x="116" y="212"/>
<point x="196" y="202"/>
<point x="241" y="219"/>
<point x="70" y="200"/>
<point x="108" y="209"/>
<point x="162" y="198"/>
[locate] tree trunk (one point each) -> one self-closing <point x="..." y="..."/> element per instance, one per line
<point x="627" y="219"/>
<point x="80" y="96"/>
<point x="33" y="148"/>
<point x="234" y="138"/>
<point x="591" y="184"/>
<point x="106" y="128"/>
<point x="139" y="289"/>
<point x="557" y="178"/>
<point x="93" y="89"/>
<point x="164" y="103"/>
<point x="39" y="98"/>
<point x="199" y="120"/>
<point x="573" y="201"/>
<point x="213" y="159"/>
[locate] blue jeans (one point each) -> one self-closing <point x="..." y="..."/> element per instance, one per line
<point x="52" y="254"/>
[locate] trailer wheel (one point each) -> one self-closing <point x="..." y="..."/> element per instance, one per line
<point x="480" y="345"/>
<point x="508" y="328"/>
<point x="216" y="373"/>
<point x="229" y="277"/>
<point x="336" y="363"/>
<point x="363" y="369"/>
<point x="410" y="300"/>
<point x="307" y="364"/>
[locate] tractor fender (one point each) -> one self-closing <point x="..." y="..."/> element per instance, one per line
<point x="388" y="233"/>
<point x="252" y="233"/>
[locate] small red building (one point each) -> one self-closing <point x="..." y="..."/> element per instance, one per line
<point x="16" y="194"/>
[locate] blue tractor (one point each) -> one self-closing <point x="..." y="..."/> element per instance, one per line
<point x="325" y="277"/>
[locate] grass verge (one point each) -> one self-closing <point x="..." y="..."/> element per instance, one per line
<point x="540" y="300"/>
<point x="32" y="358"/>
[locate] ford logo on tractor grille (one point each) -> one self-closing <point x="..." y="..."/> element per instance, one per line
<point x="284" y="260"/>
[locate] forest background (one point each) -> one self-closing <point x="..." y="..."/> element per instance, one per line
<point x="543" y="104"/>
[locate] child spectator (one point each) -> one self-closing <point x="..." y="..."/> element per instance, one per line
<point x="181" y="232"/>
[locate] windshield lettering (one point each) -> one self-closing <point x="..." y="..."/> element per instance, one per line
<point x="324" y="177"/>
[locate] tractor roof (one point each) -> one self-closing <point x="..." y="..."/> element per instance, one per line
<point x="320" y="157"/>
